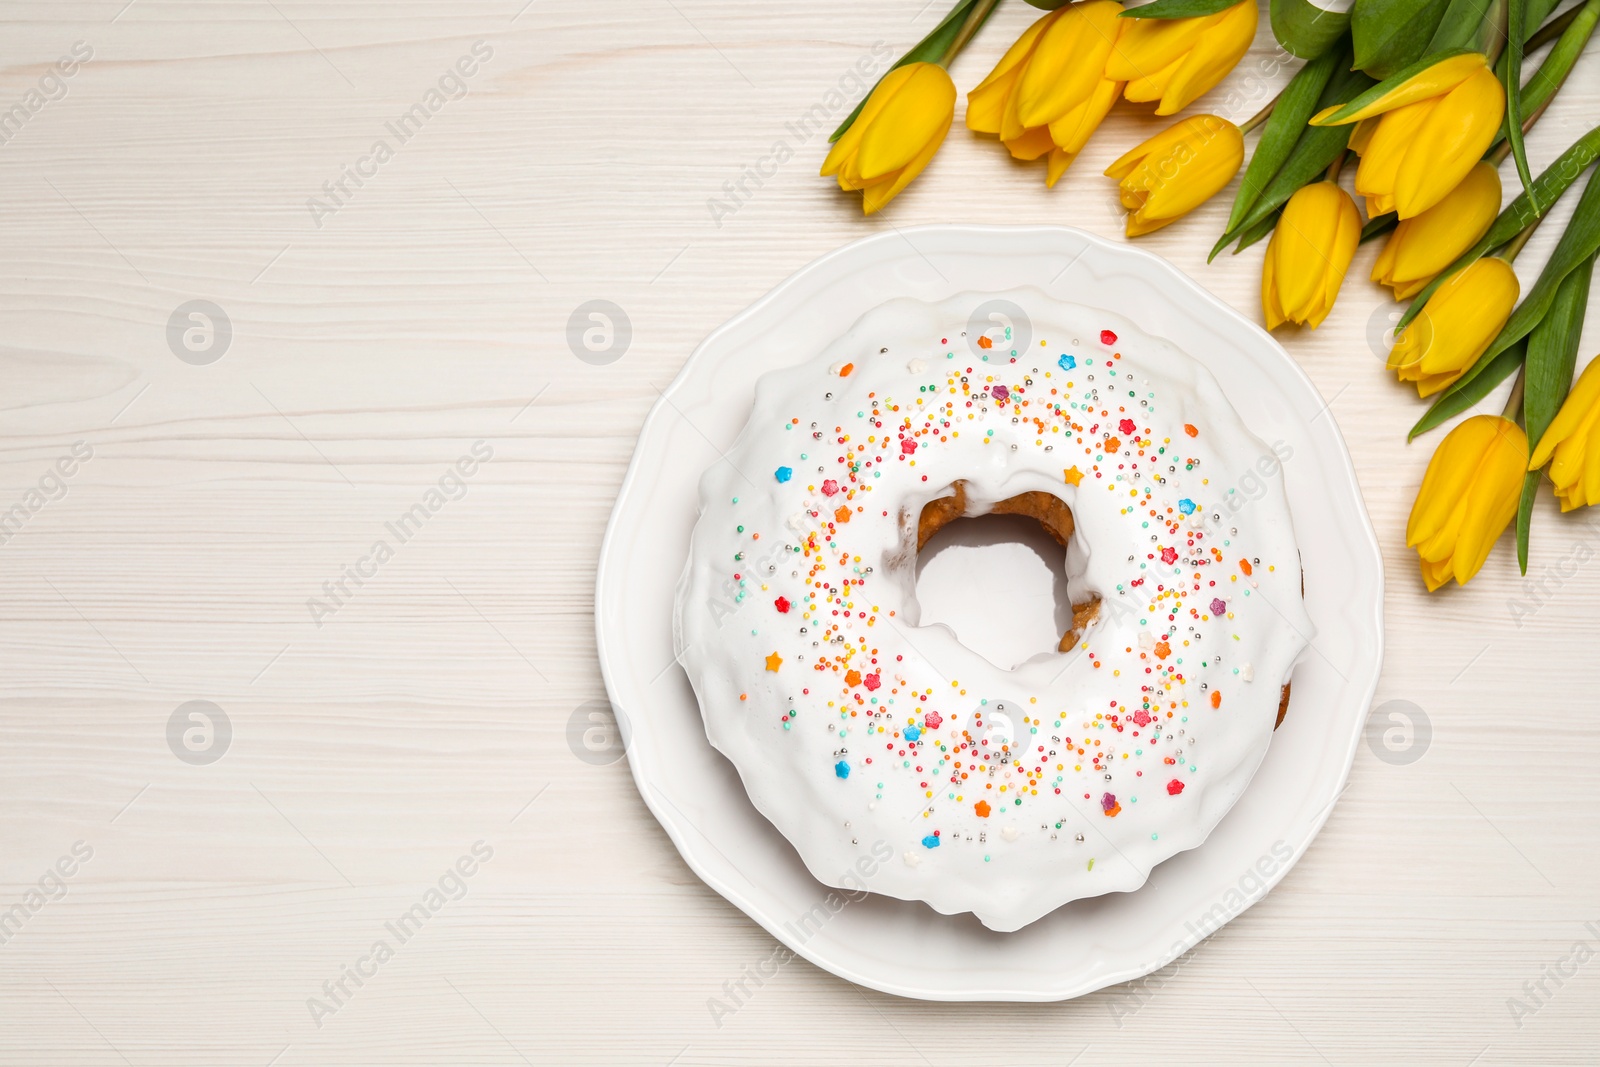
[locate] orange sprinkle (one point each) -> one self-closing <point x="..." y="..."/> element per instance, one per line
<point x="1216" y="698"/>
<point x="1190" y="430"/>
<point x="1244" y="565"/>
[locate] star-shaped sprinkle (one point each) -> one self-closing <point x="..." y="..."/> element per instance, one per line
<point x="1074" y="475"/>
<point x="774" y="661"/>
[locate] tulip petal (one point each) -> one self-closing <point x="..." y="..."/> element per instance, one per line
<point x="1270" y="306"/>
<point x="1309" y="250"/>
<point x="1220" y="47"/>
<point x="987" y="104"/>
<point x="876" y="196"/>
<point x="1386" y="148"/>
<point x="1476" y="302"/>
<point x="1072" y="131"/>
<point x="1020" y="49"/>
<point x="1580" y="407"/>
<point x="1150" y="87"/>
<point x="1427" y="243"/>
<point x="1450" y="142"/>
<point x="1434" y="81"/>
<point x="1148" y="45"/>
<point x="849" y="143"/>
<point x="1032" y="144"/>
<point x="1451" y="469"/>
<point x="1195" y="175"/>
<point x="1060" y="160"/>
<point x="919" y="111"/>
<point x="1067" y="61"/>
<point x="1491" y="501"/>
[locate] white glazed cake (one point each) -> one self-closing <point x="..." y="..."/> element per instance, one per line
<point x="1005" y="793"/>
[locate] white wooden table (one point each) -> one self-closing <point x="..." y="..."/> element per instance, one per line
<point x="381" y="732"/>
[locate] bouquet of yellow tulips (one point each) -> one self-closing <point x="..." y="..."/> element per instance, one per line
<point x="1427" y="97"/>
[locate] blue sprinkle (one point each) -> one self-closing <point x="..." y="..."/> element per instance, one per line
<point x="913" y="732"/>
<point x="842" y="769"/>
<point x="1067" y="362"/>
<point x="1186" y="506"/>
<point x="930" y="841"/>
<point x="783" y="474"/>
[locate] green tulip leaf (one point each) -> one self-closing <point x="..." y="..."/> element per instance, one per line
<point x="1547" y="189"/>
<point x="1538" y="11"/>
<point x="1283" y="129"/>
<point x="1316" y="149"/>
<point x="1474" y="25"/>
<point x="1573" y="27"/>
<point x="1530" y="490"/>
<point x="1513" y="84"/>
<point x="1464" y="394"/>
<point x="1391" y="83"/>
<point x="1578" y="245"/>
<point x="1552" y="355"/>
<point x="1178" y="9"/>
<point x="1305" y="30"/>
<point x="1391" y="34"/>
<point x="1251" y="234"/>
<point x="928" y="50"/>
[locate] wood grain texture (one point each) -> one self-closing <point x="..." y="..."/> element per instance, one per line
<point x="373" y="346"/>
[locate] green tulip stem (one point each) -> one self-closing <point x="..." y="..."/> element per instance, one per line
<point x="1337" y="165"/>
<point x="1514" y="246"/>
<point x="1497" y="155"/>
<point x="1513" y="409"/>
<point x="976" y="16"/>
<point x="1552" y="29"/>
<point x="1260" y="116"/>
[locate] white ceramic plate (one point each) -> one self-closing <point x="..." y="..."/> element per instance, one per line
<point x="905" y="947"/>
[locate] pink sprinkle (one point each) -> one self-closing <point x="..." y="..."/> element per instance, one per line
<point x="932" y="720"/>
<point x="1127" y="426"/>
<point x="907" y="445"/>
<point x="1108" y="801"/>
<point x="871" y="681"/>
<point x="1000" y="393"/>
<point x="1107" y="337"/>
<point x="1219" y="606"/>
<point x="1142" y="717"/>
<point x="830" y="487"/>
<point x="1169" y="555"/>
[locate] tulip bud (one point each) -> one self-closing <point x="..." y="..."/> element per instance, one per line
<point x="1458" y="322"/>
<point x="1177" y="170"/>
<point x="901" y="126"/>
<point x="1571" y="446"/>
<point x="1426" y="244"/>
<point x="1429" y="131"/>
<point x="1468" y="498"/>
<point x="1311" y="248"/>
<point x="1047" y="94"/>
<point x="1175" y="61"/>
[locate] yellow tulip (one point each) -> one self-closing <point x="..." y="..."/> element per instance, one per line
<point x="1177" y="170"/>
<point x="1047" y="94"/>
<point x="1419" y="140"/>
<point x="1426" y="244"/>
<point x="902" y="125"/>
<point x="1468" y="498"/>
<point x="1573" y="444"/>
<point x="1458" y="322"/>
<point x="1311" y="248"/>
<point x="1176" y="60"/>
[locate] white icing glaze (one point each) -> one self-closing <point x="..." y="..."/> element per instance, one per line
<point x="856" y="737"/>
